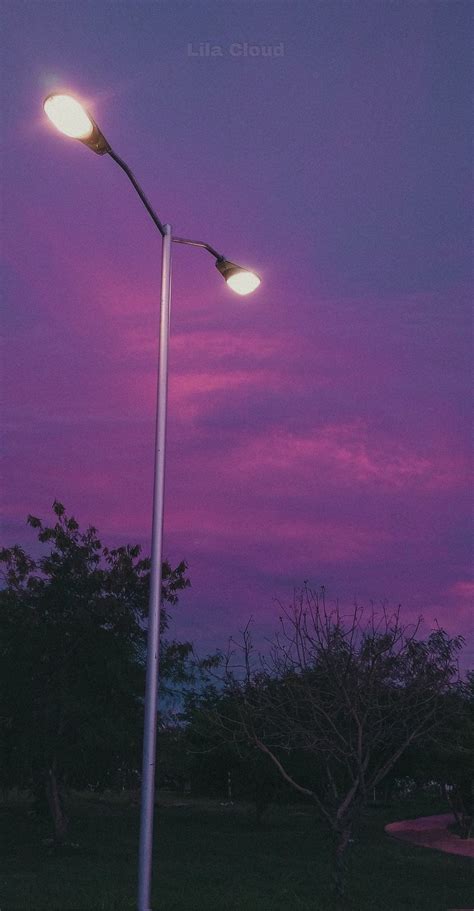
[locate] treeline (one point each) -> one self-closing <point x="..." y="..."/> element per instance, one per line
<point x="342" y="706"/>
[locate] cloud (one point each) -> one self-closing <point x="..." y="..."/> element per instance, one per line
<point x="464" y="589"/>
<point x="326" y="447"/>
<point x="346" y="454"/>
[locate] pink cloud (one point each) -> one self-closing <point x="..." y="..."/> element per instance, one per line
<point x="289" y="455"/>
<point x="284" y="544"/>
<point x="464" y="589"/>
<point x="347" y="453"/>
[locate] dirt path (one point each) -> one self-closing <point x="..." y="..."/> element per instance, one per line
<point x="432" y="832"/>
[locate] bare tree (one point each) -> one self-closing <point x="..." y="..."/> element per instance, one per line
<point x="336" y="703"/>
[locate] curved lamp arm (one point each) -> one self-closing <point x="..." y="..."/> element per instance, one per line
<point x="198" y="243"/>
<point x="121" y="163"/>
<point x="177" y="240"/>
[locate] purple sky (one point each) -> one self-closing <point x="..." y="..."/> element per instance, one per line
<point x="318" y="429"/>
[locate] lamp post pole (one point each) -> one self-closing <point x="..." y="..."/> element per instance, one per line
<point x="71" y="118"/>
<point x="145" y="858"/>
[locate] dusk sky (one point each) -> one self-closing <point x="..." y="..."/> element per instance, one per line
<point x="319" y="429"/>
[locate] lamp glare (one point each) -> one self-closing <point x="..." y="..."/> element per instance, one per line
<point x="68" y="116"/>
<point x="243" y="282"/>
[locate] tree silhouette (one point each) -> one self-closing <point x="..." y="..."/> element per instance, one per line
<point x="337" y="702"/>
<point x="73" y="642"/>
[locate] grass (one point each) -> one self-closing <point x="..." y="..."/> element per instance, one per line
<point x="213" y="858"/>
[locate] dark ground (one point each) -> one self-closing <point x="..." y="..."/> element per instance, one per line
<point x="214" y="858"/>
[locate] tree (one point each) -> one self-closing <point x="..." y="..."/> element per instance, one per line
<point x="215" y="762"/>
<point x="447" y="755"/>
<point x="336" y="703"/>
<point x="73" y="644"/>
<point x="455" y="754"/>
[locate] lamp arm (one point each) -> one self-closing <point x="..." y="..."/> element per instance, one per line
<point x="198" y="243"/>
<point x="139" y="190"/>
<point x="177" y="240"/>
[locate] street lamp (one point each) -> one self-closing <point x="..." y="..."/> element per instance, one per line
<point x="70" y="117"/>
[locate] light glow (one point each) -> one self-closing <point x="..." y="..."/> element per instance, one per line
<point x="68" y="116"/>
<point x="243" y="282"/>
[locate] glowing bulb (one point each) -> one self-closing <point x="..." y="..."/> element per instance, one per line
<point x="243" y="282"/>
<point x="68" y="116"/>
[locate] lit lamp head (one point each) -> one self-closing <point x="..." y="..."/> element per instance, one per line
<point x="71" y="118"/>
<point x="241" y="280"/>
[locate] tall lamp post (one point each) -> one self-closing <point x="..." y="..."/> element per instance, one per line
<point x="70" y="117"/>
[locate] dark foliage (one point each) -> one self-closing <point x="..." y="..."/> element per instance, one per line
<point x="336" y="704"/>
<point x="72" y="644"/>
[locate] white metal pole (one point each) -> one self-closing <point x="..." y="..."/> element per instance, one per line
<point x="153" y="643"/>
